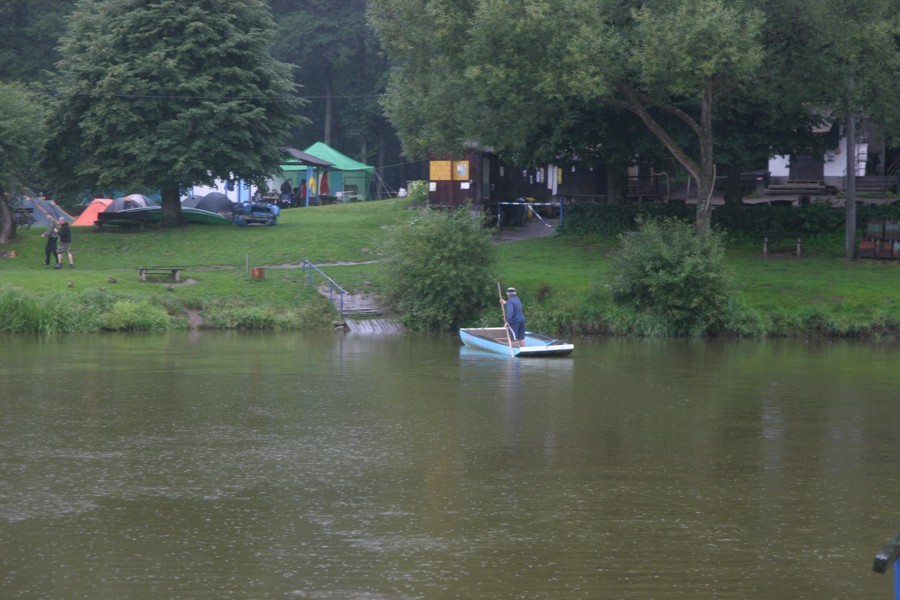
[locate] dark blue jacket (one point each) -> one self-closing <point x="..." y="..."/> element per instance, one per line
<point x="514" y="312"/>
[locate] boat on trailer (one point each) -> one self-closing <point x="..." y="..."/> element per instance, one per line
<point x="494" y="339"/>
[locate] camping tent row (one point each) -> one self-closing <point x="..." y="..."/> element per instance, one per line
<point x="213" y="202"/>
<point x="89" y="215"/>
<point x="327" y="172"/>
<point x="40" y="210"/>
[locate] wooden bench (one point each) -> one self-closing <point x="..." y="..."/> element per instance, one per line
<point x="781" y="243"/>
<point x="173" y="272"/>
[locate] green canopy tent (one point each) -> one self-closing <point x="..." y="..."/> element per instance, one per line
<point x="300" y="167"/>
<point x="346" y="178"/>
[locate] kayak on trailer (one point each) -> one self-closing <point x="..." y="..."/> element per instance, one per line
<point x="493" y="339"/>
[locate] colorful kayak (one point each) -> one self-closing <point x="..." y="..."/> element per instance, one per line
<point x="493" y="339"/>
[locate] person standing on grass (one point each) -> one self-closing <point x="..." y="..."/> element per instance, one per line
<point x="515" y="316"/>
<point x="64" y="246"/>
<point x="52" y="235"/>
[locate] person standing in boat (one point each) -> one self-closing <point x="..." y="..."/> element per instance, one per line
<point x="515" y="316"/>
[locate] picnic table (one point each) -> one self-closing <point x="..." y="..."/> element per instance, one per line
<point x="173" y="272"/>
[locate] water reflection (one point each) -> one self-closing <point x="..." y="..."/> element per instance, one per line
<point x="223" y="465"/>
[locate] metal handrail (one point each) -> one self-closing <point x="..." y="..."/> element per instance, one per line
<point x="332" y="284"/>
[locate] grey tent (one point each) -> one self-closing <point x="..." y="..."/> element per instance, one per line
<point x="132" y="201"/>
<point x="216" y="202"/>
<point x="191" y="201"/>
<point x="40" y="211"/>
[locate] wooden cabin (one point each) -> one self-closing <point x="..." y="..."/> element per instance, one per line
<point x="482" y="179"/>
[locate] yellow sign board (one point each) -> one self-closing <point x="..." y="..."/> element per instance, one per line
<point x="440" y="170"/>
<point x="446" y="170"/>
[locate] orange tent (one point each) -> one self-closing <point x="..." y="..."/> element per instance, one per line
<point x="89" y="215"/>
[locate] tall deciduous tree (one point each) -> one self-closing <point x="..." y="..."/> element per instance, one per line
<point x="509" y="60"/>
<point x="167" y="95"/>
<point x="21" y="130"/>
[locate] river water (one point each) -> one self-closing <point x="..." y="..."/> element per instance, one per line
<point x="225" y="465"/>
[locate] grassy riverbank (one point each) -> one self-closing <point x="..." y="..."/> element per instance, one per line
<point x="561" y="278"/>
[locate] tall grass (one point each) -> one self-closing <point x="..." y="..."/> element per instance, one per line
<point x="49" y="313"/>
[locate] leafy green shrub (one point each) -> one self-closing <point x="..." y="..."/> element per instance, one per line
<point x="129" y="315"/>
<point x="674" y="278"/>
<point x="418" y="192"/>
<point x="440" y="268"/>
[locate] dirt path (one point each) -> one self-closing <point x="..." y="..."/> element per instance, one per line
<point x="531" y="230"/>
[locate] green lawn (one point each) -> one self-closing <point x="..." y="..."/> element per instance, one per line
<point x="345" y="239"/>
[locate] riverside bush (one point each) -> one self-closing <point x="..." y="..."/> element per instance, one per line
<point x="674" y="280"/>
<point x="440" y="268"/>
<point x="130" y="315"/>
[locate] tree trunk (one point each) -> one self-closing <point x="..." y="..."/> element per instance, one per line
<point x="7" y="224"/>
<point x="705" y="172"/>
<point x="706" y="182"/>
<point x="850" y="204"/>
<point x="171" y="207"/>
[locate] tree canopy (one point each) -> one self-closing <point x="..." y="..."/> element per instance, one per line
<point x="703" y="76"/>
<point x="166" y="95"/>
<point x="509" y="67"/>
<point x="29" y="32"/>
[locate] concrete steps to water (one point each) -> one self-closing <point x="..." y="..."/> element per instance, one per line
<point x="372" y="326"/>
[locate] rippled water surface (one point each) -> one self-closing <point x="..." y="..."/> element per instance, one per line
<point x="218" y="465"/>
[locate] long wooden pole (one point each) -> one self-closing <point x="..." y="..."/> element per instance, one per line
<point x="505" y="324"/>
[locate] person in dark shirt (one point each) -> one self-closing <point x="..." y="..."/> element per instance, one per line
<point x="287" y="193"/>
<point x="515" y="316"/>
<point x="52" y="235"/>
<point x="64" y="246"/>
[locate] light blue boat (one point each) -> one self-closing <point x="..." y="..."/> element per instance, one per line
<point x="494" y="339"/>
